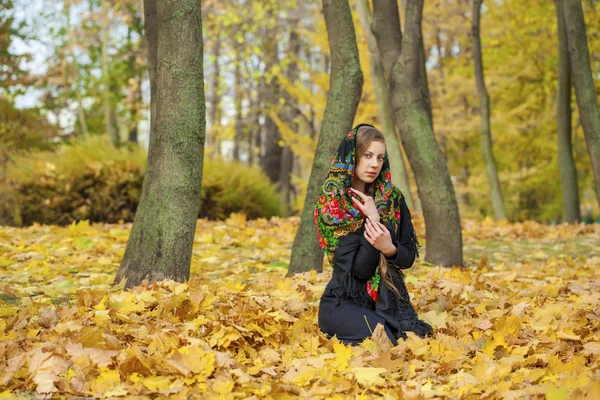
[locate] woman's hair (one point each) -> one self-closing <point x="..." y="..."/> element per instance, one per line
<point x="364" y="136"/>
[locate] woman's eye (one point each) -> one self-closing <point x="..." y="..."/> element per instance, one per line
<point x="367" y="156"/>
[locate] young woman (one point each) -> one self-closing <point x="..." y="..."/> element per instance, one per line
<point x="366" y="231"/>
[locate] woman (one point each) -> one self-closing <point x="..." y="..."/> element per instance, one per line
<point x="366" y="231"/>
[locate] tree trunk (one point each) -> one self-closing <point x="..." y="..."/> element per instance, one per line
<point x="397" y="164"/>
<point x="160" y="244"/>
<point x="110" y="128"/>
<point x="151" y="35"/>
<point x="402" y="59"/>
<point x="486" y="130"/>
<point x="215" y="101"/>
<point x="345" y="88"/>
<point x="581" y="72"/>
<point x="273" y="152"/>
<point x="237" y="139"/>
<point x="568" y="172"/>
<point x="290" y="116"/>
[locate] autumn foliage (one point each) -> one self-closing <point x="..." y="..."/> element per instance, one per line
<point x="521" y="321"/>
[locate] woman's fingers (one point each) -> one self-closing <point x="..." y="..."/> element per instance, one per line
<point x="358" y="204"/>
<point x="358" y="192"/>
<point x="368" y="237"/>
<point x="373" y="231"/>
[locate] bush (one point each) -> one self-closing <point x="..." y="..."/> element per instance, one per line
<point x="89" y="179"/>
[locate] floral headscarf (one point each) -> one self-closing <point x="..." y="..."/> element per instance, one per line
<point x="335" y="214"/>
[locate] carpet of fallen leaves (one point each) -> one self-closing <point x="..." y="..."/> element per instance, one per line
<point x="522" y="320"/>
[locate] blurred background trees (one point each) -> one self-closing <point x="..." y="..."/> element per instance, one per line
<point x="74" y="77"/>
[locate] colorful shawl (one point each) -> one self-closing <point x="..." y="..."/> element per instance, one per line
<point x="336" y="216"/>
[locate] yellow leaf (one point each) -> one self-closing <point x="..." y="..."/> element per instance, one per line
<point x="192" y="360"/>
<point x="108" y="379"/>
<point x="369" y="375"/>
<point x="554" y="393"/>
<point x="342" y="355"/>
<point x="435" y="319"/>
<point x="157" y="383"/>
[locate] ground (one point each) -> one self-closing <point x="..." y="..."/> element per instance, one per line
<point x="520" y="320"/>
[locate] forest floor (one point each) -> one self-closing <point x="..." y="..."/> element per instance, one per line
<point x="521" y="320"/>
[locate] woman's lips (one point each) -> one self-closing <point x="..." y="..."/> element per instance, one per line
<point x="372" y="173"/>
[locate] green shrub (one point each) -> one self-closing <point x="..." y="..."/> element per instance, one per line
<point x="231" y="187"/>
<point x="88" y="179"/>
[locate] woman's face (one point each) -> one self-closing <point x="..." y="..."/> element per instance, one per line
<point x="370" y="163"/>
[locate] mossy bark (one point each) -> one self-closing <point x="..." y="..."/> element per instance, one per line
<point x="345" y="88"/>
<point x="487" y="147"/>
<point x="160" y="244"/>
<point x="581" y="72"/>
<point x="568" y="172"/>
<point x="409" y="96"/>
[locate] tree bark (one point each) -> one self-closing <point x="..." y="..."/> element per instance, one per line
<point x="568" y="172"/>
<point x="486" y="130"/>
<point x="161" y="240"/>
<point x="397" y="164"/>
<point x="345" y="88"/>
<point x="402" y="59"/>
<point x="581" y="72"/>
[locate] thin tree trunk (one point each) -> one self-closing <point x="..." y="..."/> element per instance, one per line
<point x="568" y="172"/>
<point x="151" y="35"/>
<point x="215" y="101"/>
<point x="581" y="72"/>
<point x="111" y="130"/>
<point x="486" y="130"/>
<point x="397" y="164"/>
<point x="80" y="111"/>
<point x="402" y="59"/>
<point x="345" y="88"/>
<point x="237" y="139"/>
<point x="273" y="152"/>
<point x="161" y="240"/>
<point x="290" y="116"/>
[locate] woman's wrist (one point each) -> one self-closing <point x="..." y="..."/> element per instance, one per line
<point x="375" y="219"/>
<point x="390" y="251"/>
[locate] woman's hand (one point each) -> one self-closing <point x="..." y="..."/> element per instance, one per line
<point x="379" y="236"/>
<point x="368" y="208"/>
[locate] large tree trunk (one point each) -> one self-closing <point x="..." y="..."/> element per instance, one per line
<point x="581" y="72"/>
<point x="568" y="173"/>
<point x="486" y="130"/>
<point x="397" y="165"/>
<point x="160" y="244"/>
<point x="111" y="129"/>
<point x="345" y="88"/>
<point x="402" y="59"/>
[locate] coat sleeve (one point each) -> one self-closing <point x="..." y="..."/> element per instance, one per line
<point x="357" y="256"/>
<point x="406" y="243"/>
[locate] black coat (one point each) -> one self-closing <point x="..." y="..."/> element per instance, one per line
<point x="347" y="311"/>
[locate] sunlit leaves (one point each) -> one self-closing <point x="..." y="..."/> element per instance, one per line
<point x="522" y="320"/>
